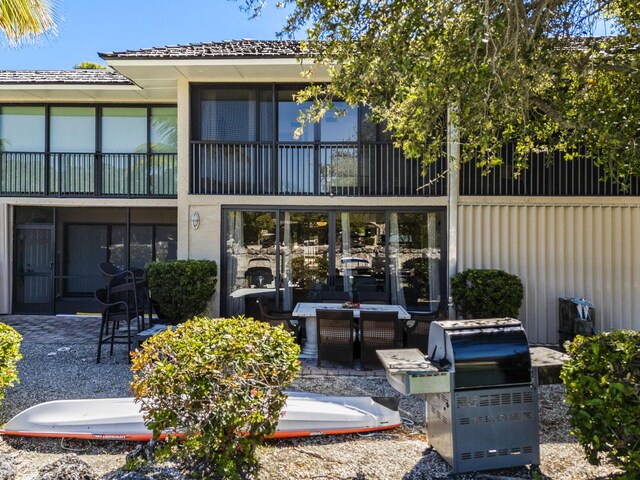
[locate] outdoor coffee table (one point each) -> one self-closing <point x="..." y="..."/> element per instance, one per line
<point x="308" y="312"/>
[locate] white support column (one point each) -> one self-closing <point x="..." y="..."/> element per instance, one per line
<point x="453" y="190"/>
<point x="184" y="217"/>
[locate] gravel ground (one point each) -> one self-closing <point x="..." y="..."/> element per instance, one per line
<point x="50" y="372"/>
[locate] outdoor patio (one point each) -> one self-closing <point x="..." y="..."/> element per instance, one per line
<point x="84" y="330"/>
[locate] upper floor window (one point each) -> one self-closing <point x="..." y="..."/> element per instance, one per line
<point x="22" y="129"/>
<point x="235" y="113"/>
<point x="80" y="150"/>
<point x="72" y="129"/>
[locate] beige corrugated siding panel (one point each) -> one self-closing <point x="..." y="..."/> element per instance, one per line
<point x="557" y="251"/>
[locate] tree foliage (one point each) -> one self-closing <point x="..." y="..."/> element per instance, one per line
<point x="526" y="72"/>
<point x="26" y="19"/>
<point x="89" y="66"/>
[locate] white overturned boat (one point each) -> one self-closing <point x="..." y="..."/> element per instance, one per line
<point x="303" y="415"/>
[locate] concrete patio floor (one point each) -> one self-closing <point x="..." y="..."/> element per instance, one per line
<point x="73" y="330"/>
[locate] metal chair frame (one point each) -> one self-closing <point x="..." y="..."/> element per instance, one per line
<point x="275" y="318"/>
<point x="113" y="312"/>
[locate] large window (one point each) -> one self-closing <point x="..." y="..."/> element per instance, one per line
<point x="74" y="150"/>
<point x="72" y="139"/>
<point x="392" y="255"/>
<point x="22" y="129"/>
<point x="248" y="140"/>
<point x="22" y="132"/>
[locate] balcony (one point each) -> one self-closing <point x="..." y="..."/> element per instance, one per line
<point x="344" y="169"/>
<point x="88" y="174"/>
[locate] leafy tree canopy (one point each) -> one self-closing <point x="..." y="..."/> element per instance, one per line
<point x="89" y="66"/>
<point x="525" y="71"/>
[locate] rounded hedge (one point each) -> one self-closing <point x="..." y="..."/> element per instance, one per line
<point x="602" y="384"/>
<point x="220" y="382"/>
<point x="181" y="289"/>
<point x="485" y="293"/>
<point x="9" y="356"/>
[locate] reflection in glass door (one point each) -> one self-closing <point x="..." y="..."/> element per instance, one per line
<point x="250" y="264"/>
<point x="360" y="263"/>
<point x="415" y="260"/>
<point x="304" y="256"/>
<point x="387" y="256"/>
<point x="34" y="269"/>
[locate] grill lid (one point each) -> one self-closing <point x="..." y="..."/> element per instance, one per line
<point x="481" y="353"/>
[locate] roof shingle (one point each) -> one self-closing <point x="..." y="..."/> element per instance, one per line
<point x="61" y="77"/>
<point x="245" y="48"/>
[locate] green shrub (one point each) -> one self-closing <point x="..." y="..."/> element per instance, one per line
<point x="181" y="289"/>
<point x="9" y="356"/>
<point x="602" y="383"/>
<point x="212" y="379"/>
<point x="479" y="293"/>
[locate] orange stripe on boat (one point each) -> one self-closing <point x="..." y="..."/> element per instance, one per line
<point x="144" y="437"/>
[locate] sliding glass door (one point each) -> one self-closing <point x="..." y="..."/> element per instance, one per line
<point x="304" y="265"/>
<point x="290" y="256"/>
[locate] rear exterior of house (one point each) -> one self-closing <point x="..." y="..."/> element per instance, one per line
<point x="191" y="152"/>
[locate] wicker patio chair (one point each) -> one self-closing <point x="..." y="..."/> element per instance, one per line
<point x="378" y="331"/>
<point x="336" y="335"/>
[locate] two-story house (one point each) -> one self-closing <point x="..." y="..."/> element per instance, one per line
<point x="191" y="151"/>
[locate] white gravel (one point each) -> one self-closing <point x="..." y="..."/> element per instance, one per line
<point x="50" y="372"/>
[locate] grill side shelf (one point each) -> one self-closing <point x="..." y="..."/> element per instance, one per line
<point x="410" y="373"/>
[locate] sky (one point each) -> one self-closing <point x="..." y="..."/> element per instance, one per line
<point x="86" y="27"/>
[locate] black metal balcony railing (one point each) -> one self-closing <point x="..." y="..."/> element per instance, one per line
<point x="351" y="169"/>
<point x="579" y="177"/>
<point x="88" y="174"/>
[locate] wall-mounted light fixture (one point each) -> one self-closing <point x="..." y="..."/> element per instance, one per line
<point x="195" y="220"/>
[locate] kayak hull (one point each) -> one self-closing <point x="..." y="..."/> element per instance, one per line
<point x="120" y="418"/>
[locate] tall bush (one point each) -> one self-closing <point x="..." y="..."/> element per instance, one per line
<point x="602" y="384"/>
<point x="9" y="356"/>
<point x="220" y="381"/>
<point x="485" y="293"/>
<point x="181" y="289"/>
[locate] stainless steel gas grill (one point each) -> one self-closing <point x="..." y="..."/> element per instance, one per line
<point x="482" y="404"/>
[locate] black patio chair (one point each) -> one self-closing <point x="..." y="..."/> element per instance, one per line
<point x="373" y="298"/>
<point x="378" y="331"/>
<point x="275" y="318"/>
<point x="416" y="329"/>
<point x="137" y="298"/>
<point x="115" y="276"/>
<point x="336" y="335"/>
<point x="326" y="296"/>
<point x="114" y="314"/>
